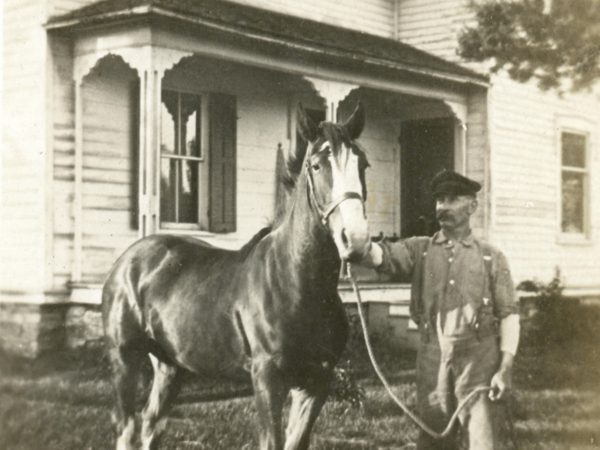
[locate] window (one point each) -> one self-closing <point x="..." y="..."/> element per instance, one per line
<point x="574" y="180"/>
<point x="197" y="161"/>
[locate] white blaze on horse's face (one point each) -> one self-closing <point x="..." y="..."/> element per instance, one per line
<point x="348" y="223"/>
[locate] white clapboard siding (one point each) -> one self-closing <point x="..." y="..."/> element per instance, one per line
<point x="22" y="191"/>
<point x="477" y="155"/>
<point x="108" y="181"/>
<point x="370" y="16"/>
<point x="526" y="162"/>
<point x="62" y="255"/>
<point x="432" y="25"/>
<point x="251" y="204"/>
<point x="62" y="217"/>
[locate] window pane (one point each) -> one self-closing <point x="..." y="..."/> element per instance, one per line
<point x="572" y="202"/>
<point x="188" y="192"/>
<point x="190" y="124"/>
<point x="573" y="150"/>
<point x="168" y="120"/>
<point x="168" y="177"/>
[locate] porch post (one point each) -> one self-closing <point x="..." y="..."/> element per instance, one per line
<point x="150" y="86"/>
<point x="459" y="111"/>
<point x="333" y="92"/>
<point x="158" y="61"/>
<point x="76" y="269"/>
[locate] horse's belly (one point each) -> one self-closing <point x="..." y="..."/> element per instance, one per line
<point x="213" y="358"/>
<point x="202" y="340"/>
<point x="203" y="363"/>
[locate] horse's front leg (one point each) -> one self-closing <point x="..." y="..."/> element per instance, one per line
<point x="305" y="408"/>
<point x="270" y="392"/>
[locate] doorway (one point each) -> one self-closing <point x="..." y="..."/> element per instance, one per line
<point x="427" y="147"/>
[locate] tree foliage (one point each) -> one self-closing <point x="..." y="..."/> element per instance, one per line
<point x="555" y="45"/>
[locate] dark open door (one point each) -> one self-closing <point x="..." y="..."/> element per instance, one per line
<point x="427" y="146"/>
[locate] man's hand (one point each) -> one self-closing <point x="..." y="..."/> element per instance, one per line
<point x="501" y="383"/>
<point x="373" y="258"/>
<point x="502" y="380"/>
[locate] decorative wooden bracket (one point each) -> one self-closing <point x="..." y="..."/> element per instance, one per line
<point x="333" y="92"/>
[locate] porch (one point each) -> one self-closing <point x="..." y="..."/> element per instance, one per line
<point x="183" y="115"/>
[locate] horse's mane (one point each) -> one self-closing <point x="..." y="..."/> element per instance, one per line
<point x="293" y="166"/>
<point x="249" y="246"/>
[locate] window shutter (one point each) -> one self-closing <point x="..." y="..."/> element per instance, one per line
<point x="222" y="157"/>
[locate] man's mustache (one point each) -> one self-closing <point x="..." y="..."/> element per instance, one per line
<point x="443" y="215"/>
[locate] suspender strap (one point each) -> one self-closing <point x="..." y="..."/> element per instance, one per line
<point x="488" y="286"/>
<point x="489" y="273"/>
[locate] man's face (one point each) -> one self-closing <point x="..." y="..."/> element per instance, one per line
<point x="452" y="211"/>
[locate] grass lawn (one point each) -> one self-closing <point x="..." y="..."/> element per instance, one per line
<point x="63" y="401"/>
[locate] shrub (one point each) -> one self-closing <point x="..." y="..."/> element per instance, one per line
<point x="548" y="294"/>
<point x="356" y="364"/>
<point x="346" y="388"/>
<point x="559" y="320"/>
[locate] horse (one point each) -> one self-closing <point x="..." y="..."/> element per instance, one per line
<point x="270" y="309"/>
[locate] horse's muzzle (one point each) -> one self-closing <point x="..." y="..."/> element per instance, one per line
<point x="353" y="241"/>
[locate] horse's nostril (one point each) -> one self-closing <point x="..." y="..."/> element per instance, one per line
<point x="344" y="237"/>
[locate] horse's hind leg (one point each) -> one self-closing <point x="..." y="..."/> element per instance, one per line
<point x="304" y="411"/>
<point x="165" y="386"/>
<point x="125" y="364"/>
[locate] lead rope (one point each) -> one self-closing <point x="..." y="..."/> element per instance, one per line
<point x="417" y="420"/>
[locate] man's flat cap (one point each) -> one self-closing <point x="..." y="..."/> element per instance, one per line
<point x="448" y="182"/>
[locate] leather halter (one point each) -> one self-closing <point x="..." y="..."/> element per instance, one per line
<point x="325" y="211"/>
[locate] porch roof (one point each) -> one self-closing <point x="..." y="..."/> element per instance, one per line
<point x="291" y="34"/>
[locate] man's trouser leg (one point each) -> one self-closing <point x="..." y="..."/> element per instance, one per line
<point x="475" y="362"/>
<point x="435" y="394"/>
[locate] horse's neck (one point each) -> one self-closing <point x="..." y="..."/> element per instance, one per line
<point x="305" y="242"/>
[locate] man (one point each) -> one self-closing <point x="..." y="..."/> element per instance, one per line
<point x="463" y="300"/>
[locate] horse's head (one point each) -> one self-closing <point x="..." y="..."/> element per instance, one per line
<point x="335" y="166"/>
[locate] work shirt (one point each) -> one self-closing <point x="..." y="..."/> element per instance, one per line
<point x="455" y="289"/>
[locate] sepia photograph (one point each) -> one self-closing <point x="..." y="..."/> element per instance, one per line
<point x="293" y="225"/>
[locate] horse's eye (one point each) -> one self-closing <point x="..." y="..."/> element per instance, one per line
<point x="315" y="167"/>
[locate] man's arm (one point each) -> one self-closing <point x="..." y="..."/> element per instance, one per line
<point x="509" y="341"/>
<point x="505" y="299"/>
<point x="394" y="258"/>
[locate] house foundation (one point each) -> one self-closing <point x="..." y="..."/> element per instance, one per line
<point x="31" y="330"/>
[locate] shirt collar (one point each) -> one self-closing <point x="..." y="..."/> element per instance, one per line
<point x="440" y="238"/>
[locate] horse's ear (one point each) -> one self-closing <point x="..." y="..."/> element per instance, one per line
<point x="306" y="127"/>
<point x="356" y="122"/>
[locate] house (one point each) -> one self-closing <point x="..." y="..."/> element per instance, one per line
<point x="127" y="118"/>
